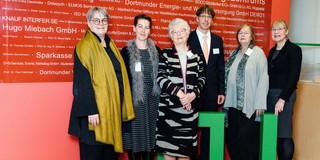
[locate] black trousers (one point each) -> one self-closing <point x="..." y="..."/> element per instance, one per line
<point x="204" y="143"/>
<point x="140" y="155"/>
<point x="242" y="136"/>
<point x="97" y="152"/>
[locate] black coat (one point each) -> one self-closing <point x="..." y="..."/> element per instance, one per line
<point x="284" y="70"/>
<point x="84" y="102"/>
<point x="214" y="71"/>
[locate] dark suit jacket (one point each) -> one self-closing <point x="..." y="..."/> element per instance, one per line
<point x="284" y="70"/>
<point x="214" y="70"/>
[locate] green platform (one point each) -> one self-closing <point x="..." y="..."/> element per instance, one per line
<point x="215" y="120"/>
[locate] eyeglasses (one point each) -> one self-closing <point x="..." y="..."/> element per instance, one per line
<point x="205" y="16"/>
<point x="97" y="21"/>
<point x="243" y="33"/>
<point x="178" y="31"/>
<point x="277" y="29"/>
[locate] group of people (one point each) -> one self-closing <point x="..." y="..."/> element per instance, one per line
<point x="146" y="100"/>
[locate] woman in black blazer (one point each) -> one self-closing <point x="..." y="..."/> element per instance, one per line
<point x="284" y="65"/>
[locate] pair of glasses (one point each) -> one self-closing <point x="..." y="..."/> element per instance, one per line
<point x="277" y="29"/>
<point x="205" y="16"/>
<point x="240" y="33"/>
<point x="178" y="31"/>
<point x="97" y="21"/>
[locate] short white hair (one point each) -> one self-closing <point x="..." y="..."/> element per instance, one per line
<point x="96" y="9"/>
<point x="177" y="21"/>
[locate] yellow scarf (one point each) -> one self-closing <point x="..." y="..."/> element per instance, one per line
<point x="106" y="88"/>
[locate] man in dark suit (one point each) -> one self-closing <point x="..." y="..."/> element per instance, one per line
<point x="212" y="49"/>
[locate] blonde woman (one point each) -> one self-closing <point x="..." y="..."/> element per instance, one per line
<point x="284" y="63"/>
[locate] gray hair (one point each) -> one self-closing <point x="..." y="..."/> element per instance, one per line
<point x="180" y="21"/>
<point x="94" y="10"/>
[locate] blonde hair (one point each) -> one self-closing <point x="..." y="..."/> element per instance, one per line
<point x="281" y="23"/>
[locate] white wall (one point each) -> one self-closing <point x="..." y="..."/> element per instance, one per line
<point x="305" y="28"/>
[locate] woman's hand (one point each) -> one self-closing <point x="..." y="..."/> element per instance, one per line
<point x="187" y="99"/>
<point x="279" y="106"/>
<point x="258" y="112"/>
<point x="180" y="94"/>
<point x="188" y="107"/>
<point x="94" y="120"/>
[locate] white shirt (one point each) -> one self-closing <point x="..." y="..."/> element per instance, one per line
<point x="201" y="35"/>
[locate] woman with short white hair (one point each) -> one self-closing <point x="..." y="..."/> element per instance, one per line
<point x="181" y="79"/>
<point x="181" y="22"/>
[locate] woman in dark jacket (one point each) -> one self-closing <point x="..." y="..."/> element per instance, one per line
<point x="141" y="59"/>
<point x="284" y="65"/>
<point x="101" y="90"/>
<point x="181" y="78"/>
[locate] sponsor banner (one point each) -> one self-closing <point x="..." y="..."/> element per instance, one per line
<point x="38" y="36"/>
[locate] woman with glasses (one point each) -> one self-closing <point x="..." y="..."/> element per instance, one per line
<point x="142" y="58"/>
<point x="284" y="63"/>
<point x="181" y="78"/>
<point x="101" y="90"/>
<point x="246" y="95"/>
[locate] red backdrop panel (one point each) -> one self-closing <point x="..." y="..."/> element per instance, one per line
<point x="34" y="116"/>
<point x="38" y="37"/>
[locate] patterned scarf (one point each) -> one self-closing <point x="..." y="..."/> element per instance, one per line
<point x="240" y="77"/>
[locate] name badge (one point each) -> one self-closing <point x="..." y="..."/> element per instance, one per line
<point x="189" y="54"/>
<point x="216" y="51"/>
<point x="138" y="67"/>
<point x="249" y="51"/>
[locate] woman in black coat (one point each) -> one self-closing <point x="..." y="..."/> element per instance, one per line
<point x="101" y="91"/>
<point x="284" y="65"/>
